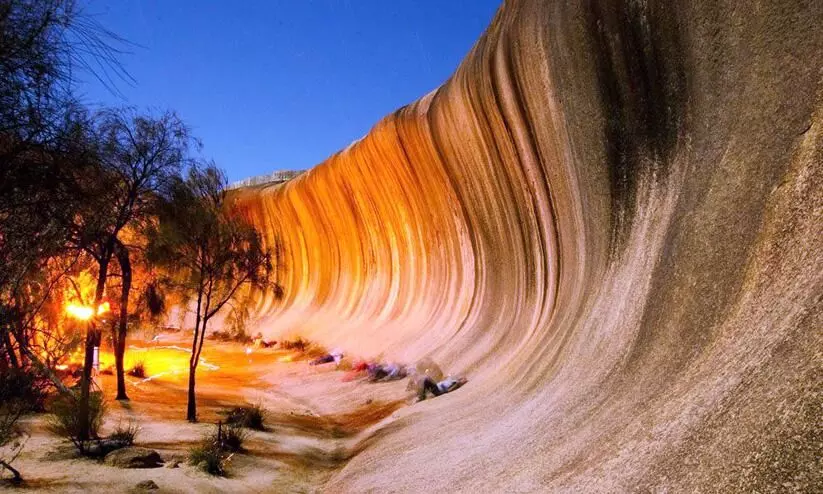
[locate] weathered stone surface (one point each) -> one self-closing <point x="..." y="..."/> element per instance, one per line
<point x="146" y="485"/>
<point x="105" y="446"/>
<point x="610" y="217"/>
<point x="134" y="457"/>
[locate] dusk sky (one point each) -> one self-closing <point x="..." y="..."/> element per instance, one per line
<point x="284" y="84"/>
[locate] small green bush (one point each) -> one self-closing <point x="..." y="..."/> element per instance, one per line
<point x="251" y="417"/>
<point x="125" y="434"/>
<point x="236" y="415"/>
<point x="208" y="456"/>
<point x="232" y="436"/>
<point x="214" y="451"/>
<point x="138" y="370"/>
<point x="65" y="420"/>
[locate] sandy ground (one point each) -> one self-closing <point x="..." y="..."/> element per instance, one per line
<point x="316" y="422"/>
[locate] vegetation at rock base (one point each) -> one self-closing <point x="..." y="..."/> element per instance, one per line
<point x="125" y="434"/>
<point x="214" y="452"/>
<point x="251" y="416"/>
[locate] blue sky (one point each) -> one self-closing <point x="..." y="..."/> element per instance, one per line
<point x="271" y="85"/>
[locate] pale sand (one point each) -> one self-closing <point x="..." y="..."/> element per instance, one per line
<point x="314" y="420"/>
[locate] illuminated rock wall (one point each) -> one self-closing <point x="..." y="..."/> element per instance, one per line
<point x="609" y="218"/>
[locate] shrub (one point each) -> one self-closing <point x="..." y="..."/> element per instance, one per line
<point x="11" y="434"/>
<point x="138" y="369"/>
<point x="230" y="437"/>
<point x="125" y="434"/>
<point x="255" y="417"/>
<point x="208" y="456"/>
<point x="21" y="391"/>
<point x="65" y="420"/>
<point x="28" y="388"/>
<point x="236" y="415"/>
<point x="214" y="451"/>
<point x="236" y="336"/>
<point x="298" y="344"/>
<point x="252" y="416"/>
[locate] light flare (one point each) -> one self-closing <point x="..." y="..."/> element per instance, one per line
<point x="80" y="312"/>
<point x="84" y="313"/>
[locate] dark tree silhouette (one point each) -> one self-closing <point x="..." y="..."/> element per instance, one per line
<point x="208" y="253"/>
<point x="44" y="150"/>
<point x="138" y="155"/>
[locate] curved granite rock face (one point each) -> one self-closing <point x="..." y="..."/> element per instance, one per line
<point x="611" y="219"/>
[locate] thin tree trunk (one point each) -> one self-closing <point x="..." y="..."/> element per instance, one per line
<point x="18" y="330"/>
<point x="195" y="358"/>
<point x="205" y="321"/>
<point x="91" y="340"/>
<point x="10" y="350"/>
<point x="17" y="478"/>
<point x="202" y="337"/>
<point x="24" y="346"/>
<point x="191" y="408"/>
<point x="5" y="363"/>
<point x="45" y="369"/>
<point x="119" y="335"/>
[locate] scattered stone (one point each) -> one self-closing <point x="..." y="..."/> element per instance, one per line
<point x="134" y="457"/>
<point x="105" y="446"/>
<point x="147" y="485"/>
<point x="173" y="463"/>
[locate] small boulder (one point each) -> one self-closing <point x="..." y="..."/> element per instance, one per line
<point x="146" y="485"/>
<point x="105" y="446"/>
<point x="134" y="457"/>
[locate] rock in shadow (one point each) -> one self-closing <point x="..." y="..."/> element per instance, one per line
<point x="134" y="457"/>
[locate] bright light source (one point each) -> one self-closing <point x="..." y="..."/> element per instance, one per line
<point x="80" y="312"/>
<point x="84" y="313"/>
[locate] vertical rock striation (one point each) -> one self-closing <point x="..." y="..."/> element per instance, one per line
<point x="610" y="219"/>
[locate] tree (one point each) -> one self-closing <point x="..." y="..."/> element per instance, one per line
<point x="43" y="43"/>
<point x="42" y="147"/>
<point x="208" y="253"/>
<point x="42" y="151"/>
<point x="39" y="196"/>
<point x="141" y="154"/>
<point x="35" y="334"/>
<point x="135" y="157"/>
